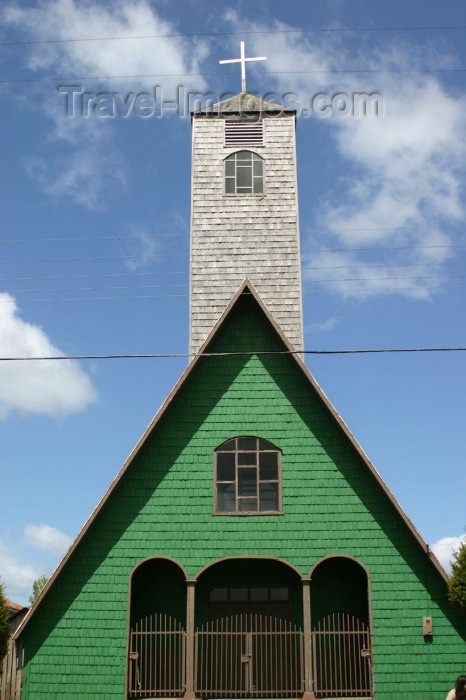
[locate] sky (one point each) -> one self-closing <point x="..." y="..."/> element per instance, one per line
<point x="94" y="238"/>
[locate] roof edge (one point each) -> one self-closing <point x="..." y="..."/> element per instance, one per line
<point x="246" y="287"/>
<point x="244" y="103"/>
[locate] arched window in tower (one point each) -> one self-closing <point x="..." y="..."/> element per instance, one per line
<point x="244" y="173"/>
<point x="247" y="476"/>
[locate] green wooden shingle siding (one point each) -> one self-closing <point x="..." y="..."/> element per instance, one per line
<point x="76" y="642"/>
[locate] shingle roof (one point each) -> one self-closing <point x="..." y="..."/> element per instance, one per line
<point x="245" y="288"/>
<point x="245" y="103"/>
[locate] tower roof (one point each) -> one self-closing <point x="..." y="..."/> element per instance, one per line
<point x="244" y="104"/>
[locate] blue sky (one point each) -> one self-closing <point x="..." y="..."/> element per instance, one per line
<point x="94" y="240"/>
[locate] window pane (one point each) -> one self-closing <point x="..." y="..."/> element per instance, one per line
<point x="244" y="190"/>
<point x="247" y="482"/>
<point x="226" y="498"/>
<point x="244" y="176"/>
<point x="244" y="155"/>
<point x="247" y="505"/>
<point x="230" y="167"/>
<point x="238" y="593"/>
<point x="268" y="494"/>
<point x="247" y="443"/>
<point x="228" y="445"/>
<point x="230" y="185"/>
<point x="259" y="593"/>
<point x="226" y="466"/>
<point x="257" y="167"/>
<point x="279" y="593"/>
<point x="268" y="463"/>
<point x="249" y="458"/>
<point x="217" y="594"/>
<point x="266" y="445"/>
<point x="258" y="185"/>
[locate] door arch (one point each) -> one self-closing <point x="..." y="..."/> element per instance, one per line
<point x="156" y="637"/>
<point x="247" y="640"/>
<point x="341" y="631"/>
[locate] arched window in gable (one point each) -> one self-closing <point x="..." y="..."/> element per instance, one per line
<point x="247" y="477"/>
<point x="244" y="173"/>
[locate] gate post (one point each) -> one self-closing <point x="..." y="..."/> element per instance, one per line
<point x="190" y="598"/>
<point x="308" y="679"/>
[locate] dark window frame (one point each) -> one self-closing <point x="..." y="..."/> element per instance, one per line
<point x="244" y="173"/>
<point x="269" y="587"/>
<point x="234" y="463"/>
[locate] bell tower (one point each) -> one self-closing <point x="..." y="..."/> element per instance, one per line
<point x="244" y="211"/>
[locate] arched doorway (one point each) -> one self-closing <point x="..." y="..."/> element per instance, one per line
<point x="249" y="639"/>
<point x="157" y="640"/>
<point x="341" y="639"/>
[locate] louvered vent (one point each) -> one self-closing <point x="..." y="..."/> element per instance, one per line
<point x="241" y="134"/>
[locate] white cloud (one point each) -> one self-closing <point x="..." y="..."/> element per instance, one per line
<point x="47" y="538"/>
<point x="51" y="388"/>
<point x="445" y="548"/>
<point x="400" y="178"/>
<point x="322" y="326"/>
<point x="89" y="176"/>
<point x="16" y="576"/>
<point x="87" y="168"/>
<point x="69" y="19"/>
<point x="143" y="245"/>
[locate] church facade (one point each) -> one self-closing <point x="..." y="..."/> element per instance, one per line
<point x="247" y="548"/>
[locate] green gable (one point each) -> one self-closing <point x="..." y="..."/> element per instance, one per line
<point x="161" y="505"/>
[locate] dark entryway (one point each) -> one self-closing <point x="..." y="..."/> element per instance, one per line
<point x="341" y="640"/>
<point x="157" y="639"/>
<point x="249" y="640"/>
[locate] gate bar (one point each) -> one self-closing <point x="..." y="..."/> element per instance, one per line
<point x="308" y="679"/>
<point x="190" y="601"/>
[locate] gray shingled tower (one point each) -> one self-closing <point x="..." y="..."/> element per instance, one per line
<point x="244" y="213"/>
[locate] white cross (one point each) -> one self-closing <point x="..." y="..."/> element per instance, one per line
<point x="243" y="60"/>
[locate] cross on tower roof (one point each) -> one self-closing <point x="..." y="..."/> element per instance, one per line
<point x="243" y="60"/>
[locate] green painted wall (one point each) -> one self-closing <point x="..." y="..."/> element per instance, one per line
<point x="76" y="642"/>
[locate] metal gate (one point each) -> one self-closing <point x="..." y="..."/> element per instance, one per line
<point x="341" y="653"/>
<point x="157" y="658"/>
<point x="249" y="655"/>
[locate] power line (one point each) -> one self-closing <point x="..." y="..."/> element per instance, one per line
<point x="232" y="33"/>
<point x="137" y="297"/>
<point x="75" y="78"/>
<point x="89" y="238"/>
<point x="372" y="248"/>
<point x="92" y="258"/>
<point x="367" y="265"/>
<point x="88" y="258"/>
<point x="171" y="286"/>
<point x="97" y="275"/>
<point x="319" y="230"/>
<point x="384" y="228"/>
<point x="248" y="353"/>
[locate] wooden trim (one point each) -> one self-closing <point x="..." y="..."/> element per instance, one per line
<point x="369" y="603"/>
<point x="190" y="616"/>
<point x="338" y="555"/>
<point x="258" y="451"/>
<point x="308" y="680"/>
<point x="128" y="603"/>
<point x="359" y="563"/>
<point x="248" y="556"/>
<point x="158" y="556"/>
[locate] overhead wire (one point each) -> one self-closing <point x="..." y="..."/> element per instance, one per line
<point x="173" y="286"/>
<point x="246" y="32"/>
<point x="137" y="297"/>
<point x="74" y="78"/>
<point x="353" y="229"/>
<point x="240" y="353"/>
